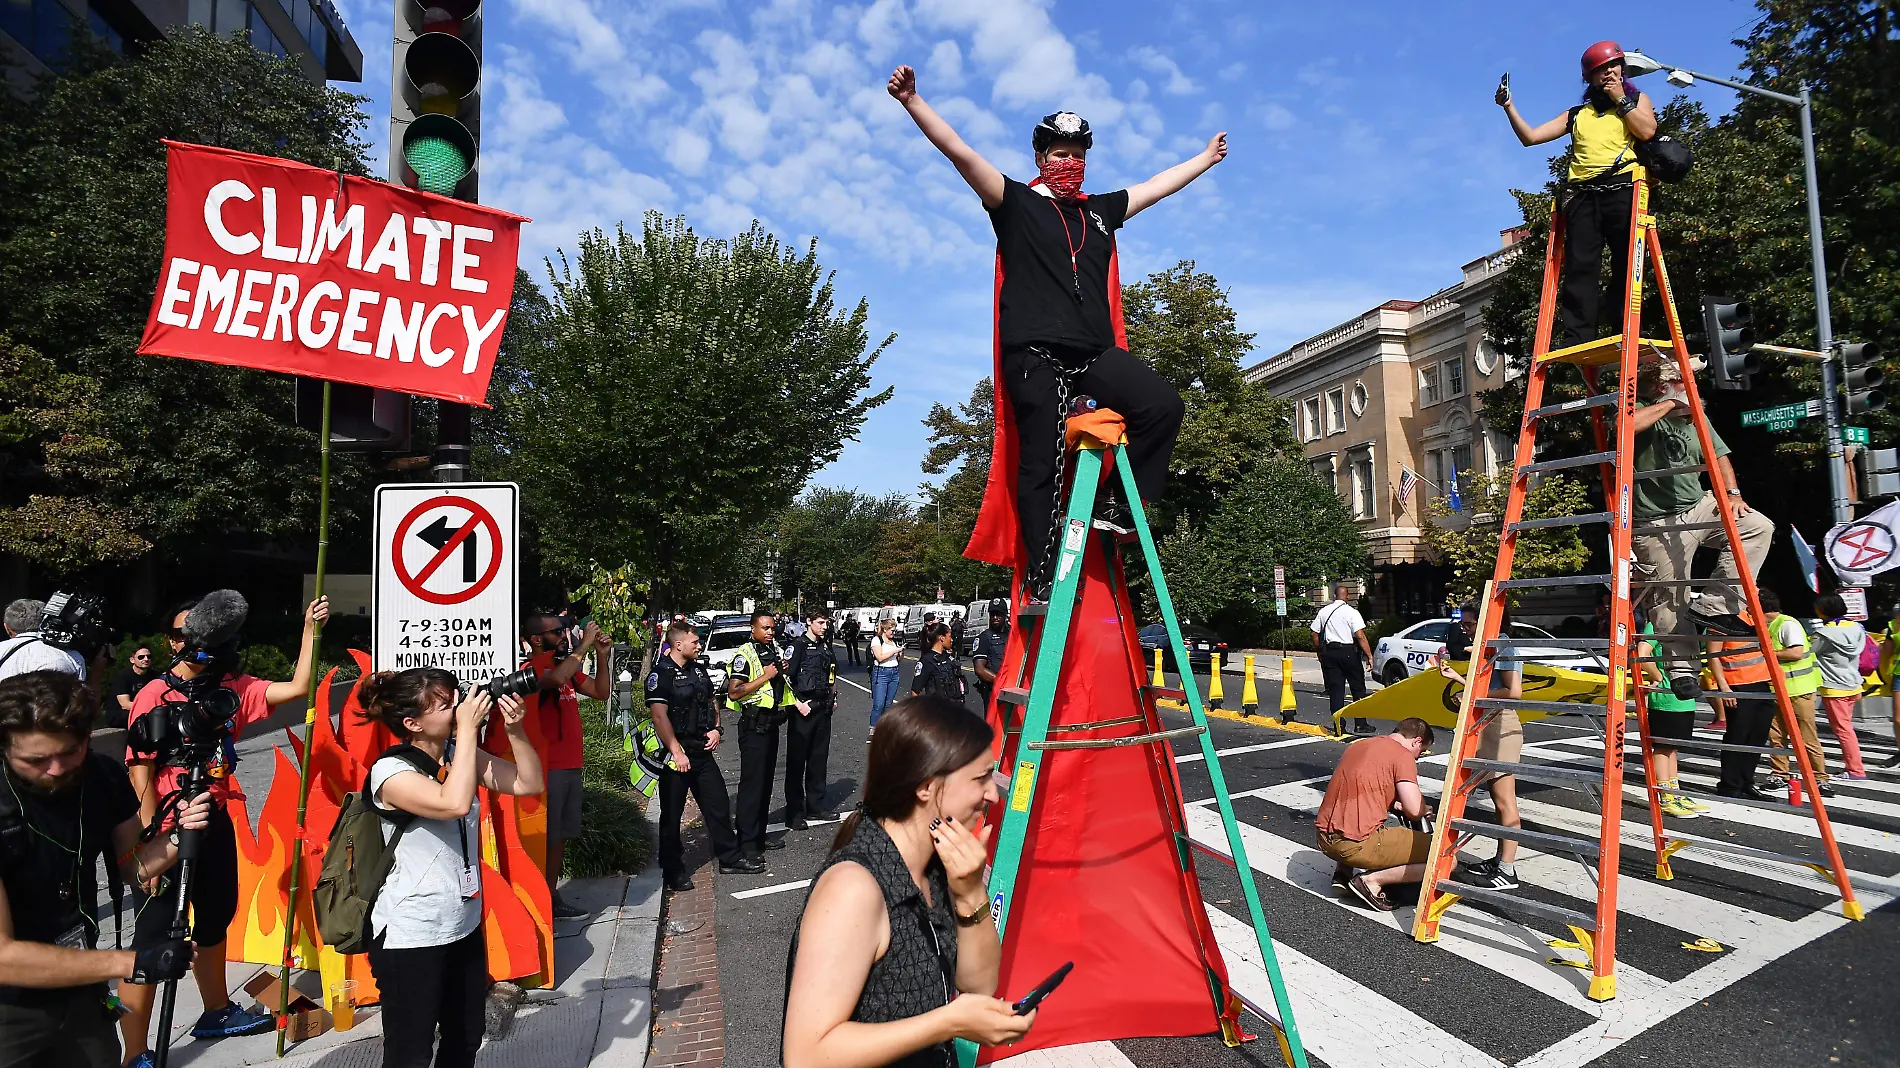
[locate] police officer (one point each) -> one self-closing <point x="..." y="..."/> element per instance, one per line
<point x="680" y="697"/>
<point x="755" y="689"/>
<point x="813" y="670"/>
<point x="987" y="658"/>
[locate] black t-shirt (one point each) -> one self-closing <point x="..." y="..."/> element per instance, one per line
<point x="1038" y="303"/>
<point x="127" y="683"/>
<point x="688" y="695"/>
<point x="49" y="864"/>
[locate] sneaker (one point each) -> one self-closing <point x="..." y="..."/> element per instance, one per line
<point x="1824" y="789"/>
<point x="1776" y="783"/>
<point x="230" y="1022"/>
<point x="566" y="911"/>
<point x="148" y="1059"/>
<point x="1725" y="623"/>
<point x="1716" y="725"/>
<point x="1342" y="874"/>
<point x="1891" y="762"/>
<point x="1851" y="777"/>
<point x="1672" y="805"/>
<point x="1487" y="875"/>
<point x="1690" y="802"/>
<point x="1363" y="890"/>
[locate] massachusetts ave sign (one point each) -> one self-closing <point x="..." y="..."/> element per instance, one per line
<point x="1782" y="417"/>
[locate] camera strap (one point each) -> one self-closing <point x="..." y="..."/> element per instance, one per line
<point x="30" y="640"/>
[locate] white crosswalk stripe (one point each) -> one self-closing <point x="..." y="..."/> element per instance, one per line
<point x="1346" y="1022"/>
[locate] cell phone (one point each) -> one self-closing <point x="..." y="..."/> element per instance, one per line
<point x="1043" y="989"/>
<point x="1504" y="82"/>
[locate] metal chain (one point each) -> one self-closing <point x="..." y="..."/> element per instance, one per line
<point x="1044" y="572"/>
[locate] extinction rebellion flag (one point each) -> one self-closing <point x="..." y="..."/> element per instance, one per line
<point x="286" y="267"/>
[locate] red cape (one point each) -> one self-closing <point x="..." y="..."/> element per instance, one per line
<point x="1102" y="880"/>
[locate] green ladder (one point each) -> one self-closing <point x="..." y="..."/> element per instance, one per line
<point x="1039" y="702"/>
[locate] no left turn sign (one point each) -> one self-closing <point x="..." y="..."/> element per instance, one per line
<point x="444" y="591"/>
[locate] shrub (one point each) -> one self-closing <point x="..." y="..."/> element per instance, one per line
<point x="615" y="837"/>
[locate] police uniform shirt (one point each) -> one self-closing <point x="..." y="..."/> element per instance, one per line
<point x="687" y="693"/>
<point x="739" y="671"/>
<point x="810" y="669"/>
<point x="989" y="647"/>
<point x="49" y="859"/>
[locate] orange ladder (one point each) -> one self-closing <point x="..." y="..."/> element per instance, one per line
<point x="1611" y="413"/>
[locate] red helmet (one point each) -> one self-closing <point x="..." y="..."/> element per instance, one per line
<point x="1600" y="53"/>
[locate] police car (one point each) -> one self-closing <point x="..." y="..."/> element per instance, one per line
<point x="1410" y="651"/>
<point x="722" y="643"/>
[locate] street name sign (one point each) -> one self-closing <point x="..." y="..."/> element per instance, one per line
<point x="1782" y="416"/>
<point x="444" y="589"/>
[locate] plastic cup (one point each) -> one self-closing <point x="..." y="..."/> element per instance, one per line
<point x="343" y="1004"/>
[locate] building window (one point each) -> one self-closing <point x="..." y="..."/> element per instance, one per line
<point x="1359" y="399"/>
<point x="1436" y="461"/>
<point x="1428" y="386"/>
<point x="1461" y="458"/>
<point x="1309" y="420"/>
<point x="1336" y="412"/>
<point x="1486" y="358"/>
<point x="1454" y="377"/>
<point x="1364" y="497"/>
<point x="232" y="16"/>
<point x="1323" y="470"/>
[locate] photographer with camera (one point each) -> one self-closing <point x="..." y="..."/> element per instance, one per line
<point x="557" y="659"/>
<point x="62" y="808"/>
<point x="190" y="717"/>
<point x="65" y="633"/>
<point x="428" y="953"/>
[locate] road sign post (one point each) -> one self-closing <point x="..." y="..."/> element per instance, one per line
<point x="444" y="591"/>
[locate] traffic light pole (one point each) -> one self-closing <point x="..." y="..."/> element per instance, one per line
<point x="1843" y="509"/>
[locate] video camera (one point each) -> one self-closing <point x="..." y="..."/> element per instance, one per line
<point x="189" y="732"/>
<point x="76" y="622"/>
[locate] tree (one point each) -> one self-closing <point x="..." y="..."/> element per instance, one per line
<point x="1468" y="541"/>
<point x="208" y="454"/>
<point x="1280" y="513"/>
<point x="55" y="459"/>
<point x="1180" y="322"/>
<point x="960" y="443"/>
<point x="830" y="538"/>
<point x="678" y="396"/>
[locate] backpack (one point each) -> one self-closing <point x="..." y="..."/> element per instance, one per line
<point x="356" y="863"/>
<point x="1662" y="155"/>
<point x="1869" y="655"/>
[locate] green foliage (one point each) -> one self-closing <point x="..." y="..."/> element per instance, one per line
<point x="200" y="452"/>
<point x="676" y="397"/>
<point x="615" y="836"/>
<point x="1220" y="570"/>
<point x="267" y="662"/>
<point x="1468" y="542"/>
<point x="617" y="602"/>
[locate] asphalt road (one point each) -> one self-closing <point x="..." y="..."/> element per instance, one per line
<point x="1795" y="984"/>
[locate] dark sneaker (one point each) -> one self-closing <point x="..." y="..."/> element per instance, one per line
<point x="1341" y="876"/>
<point x="1487" y="875"/>
<point x="1727" y="623"/>
<point x="565" y="911"/>
<point x="679" y="884"/>
<point x="1773" y="784"/>
<point x="743" y="866"/>
<point x="1824" y="790"/>
<point x="1742" y="793"/>
<point x="1891" y="762"/>
<point x="1363" y="890"/>
<point x="230" y="1022"/>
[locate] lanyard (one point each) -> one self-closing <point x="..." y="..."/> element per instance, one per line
<point x="1075" y="273"/>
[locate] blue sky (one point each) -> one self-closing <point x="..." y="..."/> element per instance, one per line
<point x="1367" y="160"/>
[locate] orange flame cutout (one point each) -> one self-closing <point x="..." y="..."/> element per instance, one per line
<point x="517" y="909"/>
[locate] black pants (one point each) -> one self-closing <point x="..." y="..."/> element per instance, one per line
<point x="1116" y="380"/>
<point x="214" y="891"/>
<point x="851" y="646"/>
<point x="60" y="1029"/>
<point x="807" y="755"/>
<point x="1593" y="216"/>
<point x="1748" y="723"/>
<point x="758" y="760"/>
<point x="431" y="988"/>
<point x="1340" y="666"/>
<point x="708" y="785"/>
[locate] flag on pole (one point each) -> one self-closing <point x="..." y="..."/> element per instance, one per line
<point x="1451" y="492"/>
<point x="1407" y="482"/>
<point x="1804" y="552"/>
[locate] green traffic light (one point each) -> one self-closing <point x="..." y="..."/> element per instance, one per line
<point x="439" y="163"/>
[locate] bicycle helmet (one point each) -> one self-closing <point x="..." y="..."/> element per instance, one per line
<point x="1062" y="126"/>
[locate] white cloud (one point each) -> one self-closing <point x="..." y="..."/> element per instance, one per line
<point x="945" y="66"/>
<point x="1155" y="61"/>
<point x="687" y="151"/>
<point x="883" y="27"/>
<point x="1033" y="62"/>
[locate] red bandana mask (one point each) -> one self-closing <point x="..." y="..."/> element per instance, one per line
<point x="1062" y="175"/>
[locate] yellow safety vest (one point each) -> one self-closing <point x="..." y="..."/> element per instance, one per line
<point x="1803" y="675"/>
<point x="763" y="699"/>
<point x="1599" y="143"/>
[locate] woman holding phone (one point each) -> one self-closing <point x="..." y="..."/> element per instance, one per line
<point x="895" y="955"/>
<point x="887" y="668"/>
<point x="429" y="957"/>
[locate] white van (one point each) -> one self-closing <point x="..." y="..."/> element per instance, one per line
<point x="912" y="626"/>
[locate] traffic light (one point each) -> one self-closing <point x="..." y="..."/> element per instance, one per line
<point x="1879" y="473"/>
<point x="361" y="419"/>
<point x="435" y="136"/>
<point x="1731" y="342"/>
<point x="435" y="105"/>
<point x="1861" y="376"/>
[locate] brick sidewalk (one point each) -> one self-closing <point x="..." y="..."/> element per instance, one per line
<point x="689" y="1020"/>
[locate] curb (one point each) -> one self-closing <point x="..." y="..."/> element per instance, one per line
<point x="624" y="1032"/>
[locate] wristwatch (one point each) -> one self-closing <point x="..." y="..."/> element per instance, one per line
<point x="1734" y="492"/>
<point x="982" y="913"/>
<point x="1629" y="102"/>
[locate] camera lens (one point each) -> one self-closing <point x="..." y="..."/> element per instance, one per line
<point x="518" y="683"/>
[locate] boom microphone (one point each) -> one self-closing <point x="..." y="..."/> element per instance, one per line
<point x="215" y="620"/>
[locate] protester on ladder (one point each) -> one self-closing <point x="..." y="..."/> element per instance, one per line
<point x="1790" y="643"/>
<point x="1375" y="778"/>
<point x="895" y="954"/>
<point x="1058" y="331"/>
<point x="1595" y="201"/>
<point x="1666" y="439"/>
<point x="1502" y="739"/>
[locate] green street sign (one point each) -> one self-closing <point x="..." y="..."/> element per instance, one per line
<point x="1782" y="417"/>
<point x="1781" y="424"/>
<point x="1856" y="435"/>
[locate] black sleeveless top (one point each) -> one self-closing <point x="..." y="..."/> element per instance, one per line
<point x="918" y="972"/>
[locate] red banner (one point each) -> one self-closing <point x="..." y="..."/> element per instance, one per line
<point x="287" y="267"/>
